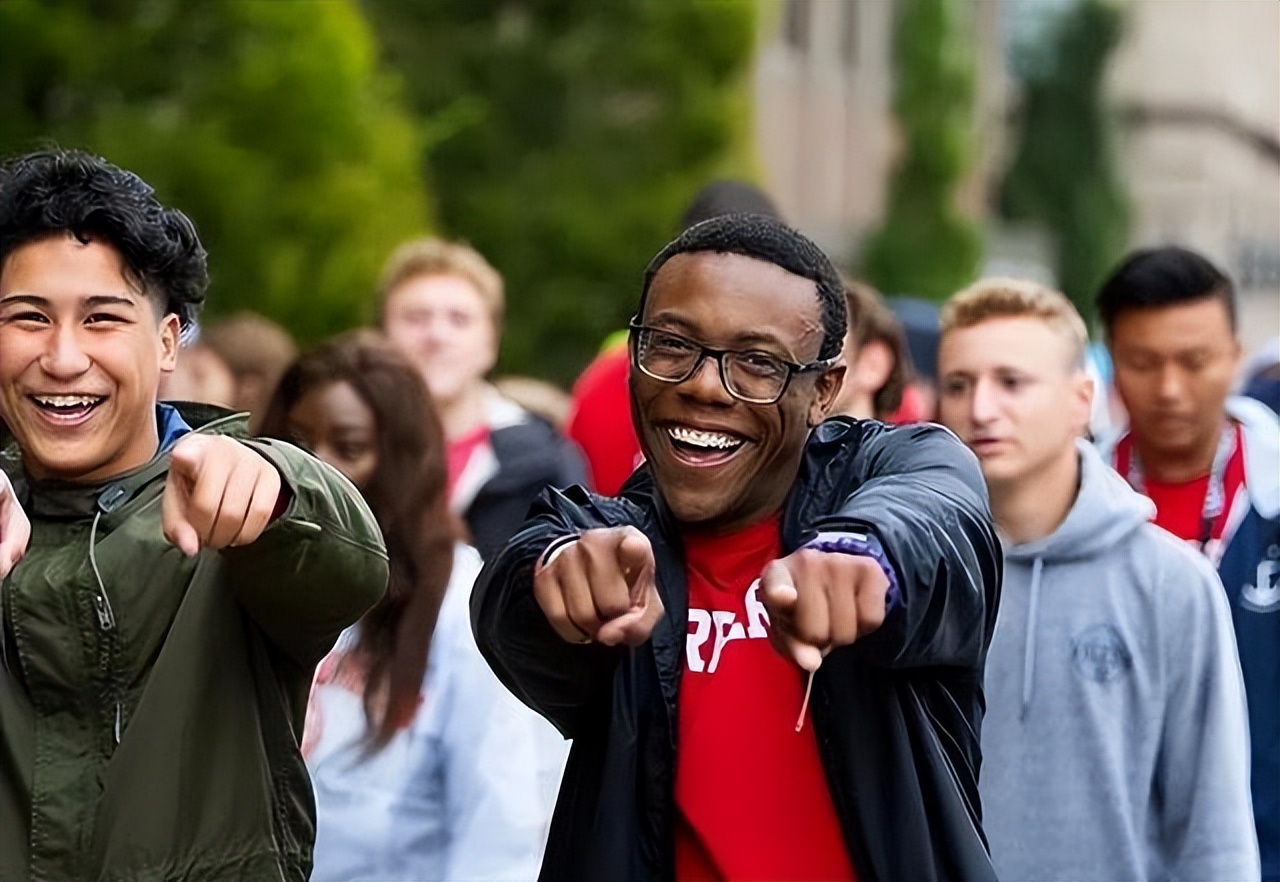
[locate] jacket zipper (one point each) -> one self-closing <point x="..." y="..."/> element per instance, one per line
<point x="106" y="616"/>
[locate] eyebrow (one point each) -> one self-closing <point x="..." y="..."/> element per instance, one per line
<point x="92" y="302"/>
<point x="744" y="338"/>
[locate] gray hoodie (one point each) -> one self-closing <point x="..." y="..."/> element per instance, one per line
<point x="1115" y="744"/>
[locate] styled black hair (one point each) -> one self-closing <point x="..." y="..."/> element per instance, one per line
<point x="1168" y="276"/>
<point x="57" y="191"/>
<point x="765" y="238"/>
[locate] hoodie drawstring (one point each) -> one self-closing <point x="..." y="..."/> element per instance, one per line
<point x="1029" y="649"/>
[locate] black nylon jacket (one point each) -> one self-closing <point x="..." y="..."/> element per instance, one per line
<point x="897" y="715"/>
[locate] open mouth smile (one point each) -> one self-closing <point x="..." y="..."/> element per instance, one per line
<point x="67" y="407"/>
<point x="700" y="447"/>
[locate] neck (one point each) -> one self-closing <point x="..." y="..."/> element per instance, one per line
<point x="463" y="413"/>
<point x="1034" y="506"/>
<point x="1179" y="465"/>
<point x="862" y="406"/>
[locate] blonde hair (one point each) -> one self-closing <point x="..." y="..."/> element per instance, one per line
<point x="436" y="257"/>
<point x="1016" y="298"/>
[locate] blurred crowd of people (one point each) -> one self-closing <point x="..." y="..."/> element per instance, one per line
<point x="1132" y="725"/>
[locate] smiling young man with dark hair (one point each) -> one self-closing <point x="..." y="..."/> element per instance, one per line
<point x="175" y="581"/>
<point x="672" y="631"/>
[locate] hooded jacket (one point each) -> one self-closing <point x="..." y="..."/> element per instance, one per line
<point x="151" y="704"/>
<point x="1115" y="735"/>
<point x="896" y="715"/>
<point x="1248" y="561"/>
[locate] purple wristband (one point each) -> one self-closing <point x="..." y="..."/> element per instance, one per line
<point x="863" y="545"/>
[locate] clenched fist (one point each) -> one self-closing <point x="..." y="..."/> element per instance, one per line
<point x="601" y="588"/>
<point x="219" y="493"/>
<point x="818" y="600"/>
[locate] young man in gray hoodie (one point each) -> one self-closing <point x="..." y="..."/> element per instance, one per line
<point x="1115" y="740"/>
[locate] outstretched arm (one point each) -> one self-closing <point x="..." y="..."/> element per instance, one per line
<point x="919" y="506"/>
<point x="553" y="626"/>
<point x="305" y="554"/>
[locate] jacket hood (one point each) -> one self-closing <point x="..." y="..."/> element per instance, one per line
<point x="1106" y="511"/>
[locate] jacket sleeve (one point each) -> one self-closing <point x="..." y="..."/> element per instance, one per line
<point x="1202" y="782"/>
<point x="318" y="566"/>
<point x="556" y="678"/>
<point x="919" y="492"/>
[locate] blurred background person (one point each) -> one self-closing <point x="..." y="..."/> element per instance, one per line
<point x="1114" y="743"/>
<point x="873" y="352"/>
<point x="1210" y="462"/>
<point x="441" y="304"/>
<point x="919" y="320"/>
<point x="199" y="375"/>
<point x="257" y="350"/>
<point x="1261" y="375"/>
<point x="424" y="766"/>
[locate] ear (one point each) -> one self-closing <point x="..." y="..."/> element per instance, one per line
<point x="170" y="331"/>
<point x="1082" y="401"/>
<point x="874" y="364"/>
<point x="826" y="388"/>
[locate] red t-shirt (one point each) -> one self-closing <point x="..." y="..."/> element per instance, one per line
<point x="1180" y="505"/>
<point x="751" y="796"/>
<point x="459" y="452"/>
<point x="600" y="422"/>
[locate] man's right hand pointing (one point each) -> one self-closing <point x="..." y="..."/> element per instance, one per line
<point x="601" y="588"/>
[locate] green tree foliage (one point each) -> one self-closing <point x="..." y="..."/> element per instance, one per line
<point x="925" y="247"/>
<point x="566" y="137"/>
<point x="270" y="123"/>
<point x="1063" y="173"/>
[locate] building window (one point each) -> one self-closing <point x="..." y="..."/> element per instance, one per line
<point x="797" y="20"/>
<point x="849" y="32"/>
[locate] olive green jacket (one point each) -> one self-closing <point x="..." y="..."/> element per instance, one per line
<point x="151" y="705"/>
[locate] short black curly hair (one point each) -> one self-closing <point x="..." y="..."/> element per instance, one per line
<point x="57" y="191"/>
<point x="765" y="238"/>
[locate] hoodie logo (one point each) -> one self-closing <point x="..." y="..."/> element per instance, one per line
<point x="1263" y="596"/>
<point x="1100" y="655"/>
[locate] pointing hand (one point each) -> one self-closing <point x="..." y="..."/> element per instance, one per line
<point x="219" y="493"/>
<point x="601" y="588"/>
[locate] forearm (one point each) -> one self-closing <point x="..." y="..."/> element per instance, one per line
<point x="320" y="564"/>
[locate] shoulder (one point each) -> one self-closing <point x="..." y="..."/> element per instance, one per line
<point x="1261" y="431"/>
<point x="1174" y="572"/>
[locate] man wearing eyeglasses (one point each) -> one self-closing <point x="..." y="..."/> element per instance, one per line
<point x="675" y="632"/>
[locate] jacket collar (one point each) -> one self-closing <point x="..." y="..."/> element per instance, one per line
<point x="65" y="500"/>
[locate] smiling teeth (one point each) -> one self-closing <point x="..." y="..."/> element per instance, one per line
<point x="697" y="438"/>
<point x="67" y="400"/>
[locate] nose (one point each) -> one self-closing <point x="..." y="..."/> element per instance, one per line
<point x="983" y="402"/>
<point x="1170" y="384"/>
<point x="64" y="358"/>
<point x="705" y="383"/>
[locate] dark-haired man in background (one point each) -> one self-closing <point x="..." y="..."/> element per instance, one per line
<point x="175" y="581"/>
<point x="642" y="625"/>
<point x="1210" y="463"/>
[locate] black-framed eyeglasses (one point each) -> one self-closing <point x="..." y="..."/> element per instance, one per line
<point x="752" y="376"/>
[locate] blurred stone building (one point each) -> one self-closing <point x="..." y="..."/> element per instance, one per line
<point x="1196" y="88"/>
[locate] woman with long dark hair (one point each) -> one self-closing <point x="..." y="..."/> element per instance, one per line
<point x="424" y="767"/>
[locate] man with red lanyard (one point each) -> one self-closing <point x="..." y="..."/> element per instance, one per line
<point x="768" y="649"/>
<point x="1210" y="463"/>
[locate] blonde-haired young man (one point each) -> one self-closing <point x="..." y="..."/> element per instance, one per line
<point x="1115" y="741"/>
<point x="441" y="303"/>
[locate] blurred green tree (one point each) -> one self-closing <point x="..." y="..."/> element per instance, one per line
<point x="926" y="247"/>
<point x="270" y="123"/>
<point x="565" y="138"/>
<point x="1063" y="173"/>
